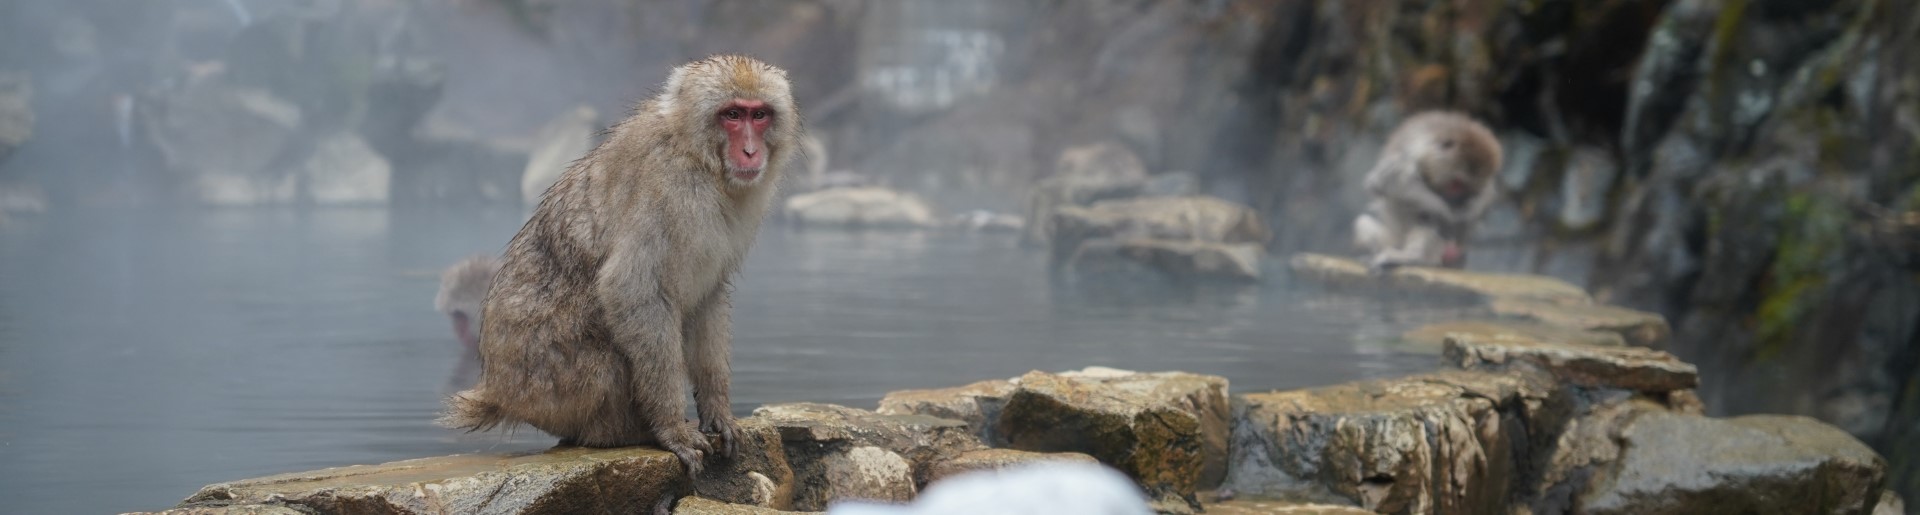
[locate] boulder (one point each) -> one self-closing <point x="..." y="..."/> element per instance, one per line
<point x="1168" y="430"/>
<point x="1637" y="327"/>
<point x="1081" y="176"/>
<point x="1192" y="219"/>
<point x="563" y="140"/>
<point x="344" y="171"/>
<point x="1436" y="283"/>
<point x="225" y="138"/>
<point x="1674" y="463"/>
<point x="867" y="207"/>
<point x="1133" y="259"/>
<point x="1439" y="443"/>
<point x="705" y="506"/>
<point x="559" y="480"/>
<point x="1631" y="368"/>
<point x="1435" y="335"/>
<point x="996" y="459"/>
<point x="977" y="404"/>
<point x="841" y="453"/>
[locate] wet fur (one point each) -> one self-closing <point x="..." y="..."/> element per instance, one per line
<point x="1408" y="222"/>
<point x="614" y="295"/>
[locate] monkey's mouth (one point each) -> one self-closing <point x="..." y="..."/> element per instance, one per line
<point x="743" y="176"/>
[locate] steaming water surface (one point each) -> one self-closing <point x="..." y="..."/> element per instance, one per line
<point x="143" y="355"/>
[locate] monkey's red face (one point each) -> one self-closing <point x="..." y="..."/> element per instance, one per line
<point x="746" y="123"/>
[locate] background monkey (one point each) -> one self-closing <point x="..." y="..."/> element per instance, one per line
<point x="1433" y="181"/>
<point x="615" y="294"/>
<point x="463" y="288"/>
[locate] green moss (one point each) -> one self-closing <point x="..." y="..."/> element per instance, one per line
<point x="1812" y="235"/>
<point x="1725" y="29"/>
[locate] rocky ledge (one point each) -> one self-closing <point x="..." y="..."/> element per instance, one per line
<point x="1571" y="412"/>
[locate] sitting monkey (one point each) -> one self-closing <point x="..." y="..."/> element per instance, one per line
<point x="1433" y="181"/>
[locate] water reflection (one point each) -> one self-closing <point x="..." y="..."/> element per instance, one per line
<point x="158" y="352"/>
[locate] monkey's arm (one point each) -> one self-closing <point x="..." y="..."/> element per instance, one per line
<point x="645" y="327"/>
<point x="1422" y="246"/>
<point x="1396" y="180"/>
<point x="707" y="347"/>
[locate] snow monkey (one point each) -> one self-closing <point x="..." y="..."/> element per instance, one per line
<point x="1432" y="182"/>
<point x="614" y="295"/>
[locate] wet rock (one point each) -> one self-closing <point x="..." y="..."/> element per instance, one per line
<point x="1585" y="446"/>
<point x="1439" y="283"/>
<point x="705" y="506"/>
<point x="566" y="138"/>
<point x="1437" y="443"/>
<point x="235" y="509"/>
<point x="16" y="110"/>
<point x="1259" y="507"/>
<point x="1435" y="335"/>
<point x="839" y="453"/>
<point x="1754" y="464"/>
<point x="1105" y="259"/>
<point x="1168" y="430"/>
<point x="996" y="459"/>
<point x="344" y="171"/>
<point x="977" y="404"/>
<point x="226" y="138"/>
<point x="561" y="480"/>
<point x="1631" y="368"/>
<point x="758" y="475"/>
<point x="1638" y="327"/>
<point x="1081" y="176"/>
<point x="1194" y="219"/>
<point x="869" y="207"/>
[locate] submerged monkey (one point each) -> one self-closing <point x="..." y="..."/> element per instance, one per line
<point x="615" y="294"/>
<point x="1432" y="183"/>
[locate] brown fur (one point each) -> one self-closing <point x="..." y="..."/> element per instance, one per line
<point x="615" y="294"/>
<point x="1411" y="219"/>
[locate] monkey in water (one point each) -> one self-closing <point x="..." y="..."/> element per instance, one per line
<point x="463" y="287"/>
<point x="614" y="295"/>
<point x="1431" y="184"/>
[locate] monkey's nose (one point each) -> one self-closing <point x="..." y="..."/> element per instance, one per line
<point x="749" y="152"/>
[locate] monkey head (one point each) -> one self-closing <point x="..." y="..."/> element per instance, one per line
<point x="463" y="288"/>
<point x="1456" y="156"/>
<point x="741" y="109"/>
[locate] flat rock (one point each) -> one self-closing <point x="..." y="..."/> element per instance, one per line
<point x="861" y="207"/>
<point x="840" y="453"/>
<point x="1444" y="283"/>
<point x="757" y="475"/>
<point x="1759" y="464"/>
<point x="1168" y="430"/>
<point x="1197" y="219"/>
<point x="1435" y="335"/>
<point x="1631" y="368"/>
<point x="560" y="480"/>
<point x="1081" y="176"/>
<point x="1637" y="327"/>
<point x="705" y="506"/>
<point x="1438" y="443"/>
<point x="996" y="459"/>
<point x="235" y="509"/>
<point x="977" y="404"/>
<point x="1261" y="507"/>
<point x="1103" y="259"/>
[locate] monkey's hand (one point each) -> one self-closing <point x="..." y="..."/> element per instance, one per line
<point x="722" y="425"/>
<point x="688" y="445"/>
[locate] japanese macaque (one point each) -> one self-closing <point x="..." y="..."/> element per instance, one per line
<point x="463" y="287"/>
<point x="614" y="295"/>
<point x="1431" y="184"/>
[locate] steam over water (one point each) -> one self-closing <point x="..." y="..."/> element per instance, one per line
<point x="143" y="355"/>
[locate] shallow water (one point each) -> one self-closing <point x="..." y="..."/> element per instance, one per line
<point x="143" y="355"/>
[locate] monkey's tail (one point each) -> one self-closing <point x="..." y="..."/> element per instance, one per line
<point x="470" y="411"/>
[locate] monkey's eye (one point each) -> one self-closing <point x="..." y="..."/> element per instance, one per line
<point x="760" y="114"/>
<point x="1446" y="143"/>
<point x="731" y="114"/>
